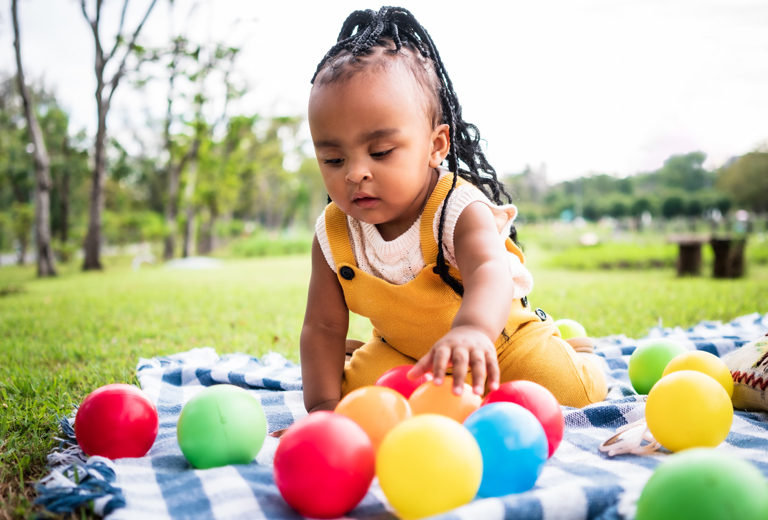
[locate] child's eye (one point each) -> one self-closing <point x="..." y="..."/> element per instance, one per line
<point x="334" y="162"/>
<point x="382" y="154"/>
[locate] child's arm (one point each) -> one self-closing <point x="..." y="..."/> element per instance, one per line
<point x="488" y="287"/>
<point x="323" y="336"/>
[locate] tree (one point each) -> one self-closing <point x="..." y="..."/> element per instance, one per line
<point x="686" y="172"/>
<point x="672" y="207"/>
<point x="174" y="166"/>
<point x="640" y="206"/>
<point x="15" y="163"/>
<point x="723" y="205"/>
<point x="22" y="218"/>
<point x="221" y="164"/>
<point x="746" y="180"/>
<point x="105" y="89"/>
<point x="693" y="210"/>
<point x="45" y="262"/>
<point x="210" y="59"/>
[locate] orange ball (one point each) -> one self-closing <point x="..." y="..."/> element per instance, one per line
<point x="431" y="398"/>
<point x="376" y="409"/>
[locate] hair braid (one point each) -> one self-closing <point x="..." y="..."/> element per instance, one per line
<point x="364" y="30"/>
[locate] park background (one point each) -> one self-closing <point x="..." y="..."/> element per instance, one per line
<point x="621" y="130"/>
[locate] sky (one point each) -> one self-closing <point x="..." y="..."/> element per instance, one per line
<point x="573" y="86"/>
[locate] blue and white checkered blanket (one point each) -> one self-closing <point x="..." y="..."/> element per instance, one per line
<point x="577" y="482"/>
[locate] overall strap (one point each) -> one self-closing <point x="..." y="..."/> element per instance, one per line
<point x="429" y="247"/>
<point x="338" y="237"/>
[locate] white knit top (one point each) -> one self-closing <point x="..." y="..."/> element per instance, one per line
<point x="398" y="261"/>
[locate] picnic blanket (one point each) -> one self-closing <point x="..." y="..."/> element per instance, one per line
<point x="577" y="482"/>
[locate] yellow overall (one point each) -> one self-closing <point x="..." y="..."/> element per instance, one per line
<point x="408" y="319"/>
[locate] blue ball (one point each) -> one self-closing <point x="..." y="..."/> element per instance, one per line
<point x="514" y="447"/>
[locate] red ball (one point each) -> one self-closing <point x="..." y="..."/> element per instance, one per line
<point x="539" y="401"/>
<point x="116" y="421"/>
<point x="324" y="465"/>
<point x="396" y="379"/>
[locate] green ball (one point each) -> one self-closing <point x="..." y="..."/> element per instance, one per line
<point x="571" y="329"/>
<point x="648" y="361"/>
<point x="704" y="484"/>
<point x="221" y="425"/>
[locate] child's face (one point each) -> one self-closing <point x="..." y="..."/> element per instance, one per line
<point x="376" y="147"/>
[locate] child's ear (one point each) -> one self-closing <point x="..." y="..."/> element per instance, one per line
<point x="441" y="144"/>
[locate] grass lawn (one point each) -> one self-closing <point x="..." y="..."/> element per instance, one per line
<point x="61" y="338"/>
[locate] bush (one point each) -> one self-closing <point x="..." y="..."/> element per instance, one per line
<point x="756" y="251"/>
<point x="65" y="251"/>
<point x="264" y="245"/>
<point x="133" y="227"/>
<point x="617" y="256"/>
<point x="6" y="236"/>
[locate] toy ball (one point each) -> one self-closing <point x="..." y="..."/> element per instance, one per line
<point x="427" y="465"/>
<point x="440" y="399"/>
<point x="704" y="362"/>
<point x="537" y="400"/>
<point x="570" y="329"/>
<point x="648" y="361"/>
<point x="396" y="379"/>
<point x="704" y="484"/>
<point x="116" y="421"/>
<point x="221" y="425"/>
<point x="324" y="465"/>
<point x="688" y="409"/>
<point x="514" y="448"/>
<point x="376" y="409"/>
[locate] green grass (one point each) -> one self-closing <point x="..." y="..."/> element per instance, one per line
<point x="61" y="338"/>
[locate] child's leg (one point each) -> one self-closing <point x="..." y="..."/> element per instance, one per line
<point x="536" y="354"/>
<point x="369" y="363"/>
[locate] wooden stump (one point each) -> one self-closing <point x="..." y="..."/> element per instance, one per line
<point x="729" y="257"/>
<point x="689" y="259"/>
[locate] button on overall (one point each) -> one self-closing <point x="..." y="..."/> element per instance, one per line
<point x="347" y="272"/>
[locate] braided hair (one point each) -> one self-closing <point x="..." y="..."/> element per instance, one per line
<point x="361" y="34"/>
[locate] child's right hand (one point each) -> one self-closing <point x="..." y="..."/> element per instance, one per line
<point x="463" y="348"/>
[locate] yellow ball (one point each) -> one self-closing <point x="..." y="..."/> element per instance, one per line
<point x="427" y="465"/>
<point x="704" y="362"/>
<point x="688" y="409"/>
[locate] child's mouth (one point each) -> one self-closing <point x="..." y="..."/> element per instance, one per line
<point x="366" y="202"/>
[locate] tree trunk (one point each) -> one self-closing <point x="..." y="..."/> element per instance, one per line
<point x="208" y="234"/>
<point x="92" y="244"/>
<point x="45" y="261"/>
<point x="189" y="193"/>
<point x="171" y="210"/>
<point x="22" y="258"/>
<point x="64" y="196"/>
<point x="189" y="233"/>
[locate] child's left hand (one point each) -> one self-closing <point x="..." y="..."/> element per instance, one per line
<point x="463" y="348"/>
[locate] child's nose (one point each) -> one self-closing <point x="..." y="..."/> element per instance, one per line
<point x="358" y="172"/>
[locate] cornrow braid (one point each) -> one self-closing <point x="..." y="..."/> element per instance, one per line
<point x="361" y="32"/>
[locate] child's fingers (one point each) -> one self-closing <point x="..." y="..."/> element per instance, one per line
<point x="460" y="358"/>
<point x="423" y="366"/>
<point x="478" y="362"/>
<point x="441" y="357"/>
<point x="492" y="366"/>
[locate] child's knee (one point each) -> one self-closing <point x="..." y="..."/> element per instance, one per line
<point x="575" y="379"/>
<point x="592" y="381"/>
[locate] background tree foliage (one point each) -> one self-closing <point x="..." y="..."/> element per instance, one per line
<point x="200" y="175"/>
<point x="746" y="180"/>
<point x="681" y="188"/>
